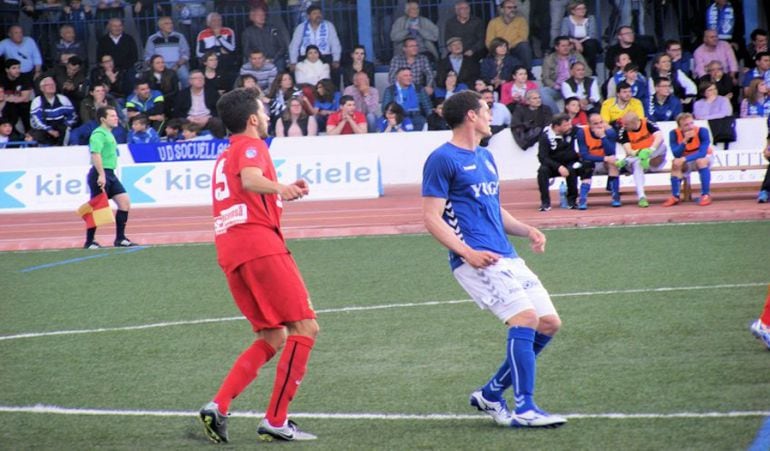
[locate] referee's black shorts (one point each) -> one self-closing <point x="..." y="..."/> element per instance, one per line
<point x="113" y="187"/>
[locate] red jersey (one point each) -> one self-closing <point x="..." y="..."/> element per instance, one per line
<point x="247" y="225"/>
<point x="335" y="118"/>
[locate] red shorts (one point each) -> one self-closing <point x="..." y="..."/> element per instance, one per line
<point x="270" y="292"/>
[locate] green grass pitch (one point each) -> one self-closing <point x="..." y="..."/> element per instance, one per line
<point x="655" y="322"/>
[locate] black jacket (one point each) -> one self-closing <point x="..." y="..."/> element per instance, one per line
<point x="555" y="151"/>
<point x="183" y="102"/>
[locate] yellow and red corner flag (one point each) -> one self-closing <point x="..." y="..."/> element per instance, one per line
<point x="96" y="211"/>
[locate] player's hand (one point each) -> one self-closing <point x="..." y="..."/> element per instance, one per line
<point x="536" y="240"/>
<point x="101" y="181"/>
<point x="563" y="171"/>
<point x="689" y="133"/>
<point x="481" y="259"/>
<point x="302" y="184"/>
<point x="291" y="192"/>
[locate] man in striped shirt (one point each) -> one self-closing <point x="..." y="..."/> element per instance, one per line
<point x="52" y="115"/>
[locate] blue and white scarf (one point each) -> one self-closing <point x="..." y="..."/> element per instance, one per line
<point x="722" y="20"/>
<point x="407" y="98"/>
<point x="322" y="41"/>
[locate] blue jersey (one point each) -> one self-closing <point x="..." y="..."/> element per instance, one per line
<point x="468" y="181"/>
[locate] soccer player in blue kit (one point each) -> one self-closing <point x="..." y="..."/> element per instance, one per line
<point x="461" y="209"/>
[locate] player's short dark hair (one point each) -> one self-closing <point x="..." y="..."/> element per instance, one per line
<point x="345" y="99"/>
<point x="215" y="126"/>
<point x="235" y="108"/>
<point x="457" y="107"/>
<point x="622" y="85"/>
<point x="102" y="111"/>
<point x="558" y="119"/>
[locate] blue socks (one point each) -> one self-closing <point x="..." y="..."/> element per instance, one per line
<point x="676" y="183"/>
<point x="541" y="341"/>
<point x="705" y="181"/>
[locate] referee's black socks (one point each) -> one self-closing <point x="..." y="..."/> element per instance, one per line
<point x="121" y="217"/>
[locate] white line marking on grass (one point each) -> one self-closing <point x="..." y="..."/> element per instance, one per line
<point x="367" y="308"/>
<point x="57" y="410"/>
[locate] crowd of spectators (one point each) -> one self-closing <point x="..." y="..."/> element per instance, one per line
<point x="49" y="90"/>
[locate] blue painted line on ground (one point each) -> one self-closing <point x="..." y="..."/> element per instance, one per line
<point x="762" y="441"/>
<point x="81" y="259"/>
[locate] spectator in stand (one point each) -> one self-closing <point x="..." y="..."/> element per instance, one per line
<point x="691" y="147"/>
<point x="663" y="105"/>
<point x="197" y="103"/>
<point x="366" y="97"/>
<point x="683" y="87"/>
<point x="419" y="66"/>
<point x="246" y="81"/>
<point x="120" y="46"/>
<point x="106" y="10"/>
<point x="412" y="98"/>
<point x="645" y="149"/>
<point x="622" y="60"/>
<point x="295" y="121"/>
<point x="757" y="102"/>
<point x="711" y="105"/>
<point x="556" y="70"/>
<point x="192" y="131"/>
<point x="190" y="16"/>
<point x="149" y="102"/>
<point x="583" y="87"/>
<point x="318" y="32"/>
<point x="18" y="93"/>
<point x="626" y="44"/>
<point x="346" y="121"/>
<point x="436" y="119"/>
<point x="9" y="135"/>
<point x="141" y="132"/>
<point x="24" y="50"/>
<point x="52" y="115"/>
<point x="163" y="79"/>
<point x="146" y="13"/>
<point x="262" y="70"/>
<point x="172" y="46"/>
<point x="583" y="32"/>
<point x="596" y="144"/>
<point x="498" y="66"/>
<point x="528" y="121"/>
<point x="312" y="69"/>
<point x="466" y="69"/>
<point x="680" y="59"/>
<point x="358" y="63"/>
<point x="725" y="85"/>
<point x="79" y="15"/>
<point x="758" y="44"/>
<point x="269" y="36"/>
<point x="470" y="29"/>
<point x="727" y="23"/>
<point x="216" y="79"/>
<point x="48" y="15"/>
<point x="98" y="97"/>
<point x="68" y="46"/>
<point x="280" y="92"/>
<point x="761" y="70"/>
<point x="117" y="81"/>
<point x="632" y="77"/>
<point x="576" y="113"/>
<point x="614" y="108"/>
<point x="6" y="108"/>
<point x="413" y="25"/>
<point x="713" y="49"/>
<point x="513" y="92"/>
<point x="327" y="101"/>
<point x="451" y="87"/>
<point x="394" y="120"/>
<point x="218" y="39"/>
<point x="514" y="29"/>
<point x="501" y="117"/>
<point x="557" y="156"/>
<point x="72" y="81"/>
<point x="173" y="130"/>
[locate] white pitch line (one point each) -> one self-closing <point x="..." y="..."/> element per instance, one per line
<point x="367" y="308"/>
<point x="57" y="410"/>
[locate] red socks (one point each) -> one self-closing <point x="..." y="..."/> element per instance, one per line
<point x="288" y="375"/>
<point x="243" y="372"/>
<point x="765" y="318"/>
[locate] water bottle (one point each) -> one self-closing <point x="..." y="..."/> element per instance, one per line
<point x="563" y="194"/>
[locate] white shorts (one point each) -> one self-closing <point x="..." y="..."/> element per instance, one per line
<point x="506" y="288"/>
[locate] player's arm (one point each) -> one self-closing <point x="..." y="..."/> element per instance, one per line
<point x="657" y="135"/>
<point x="253" y="180"/>
<point x="677" y="148"/>
<point x="703" y="149"/>
<point x="513" y="226"/>
<point x="432" y="215"/>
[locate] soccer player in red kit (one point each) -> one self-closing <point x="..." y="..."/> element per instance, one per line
<point x="263" y="277"/>
<point x="761" y="327"/>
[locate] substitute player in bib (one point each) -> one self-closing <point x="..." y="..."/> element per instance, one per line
<point x="596" y="144"/>
<point x="645" y="151"/>
<point x="263" y="277"/>
<point x="461" y="209"/>
<point x="692" y="150"/>
<point x="101" y="177"/>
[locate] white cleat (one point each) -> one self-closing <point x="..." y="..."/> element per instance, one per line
<point x="537" y="419"/>
<point x="498" y="410"/>
<point x="761" y="331"/>
<point x="288" y="432"/>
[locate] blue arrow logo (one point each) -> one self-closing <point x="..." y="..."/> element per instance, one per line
<point x="277" y="164"/>
<point x="6" y="179"/>
<point x="131" y="175"/>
